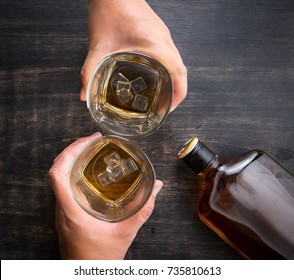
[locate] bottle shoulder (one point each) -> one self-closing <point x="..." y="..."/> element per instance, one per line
<point x="237" y="164"/>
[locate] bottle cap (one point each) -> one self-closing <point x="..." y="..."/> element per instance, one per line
<point x="196" y="155"/>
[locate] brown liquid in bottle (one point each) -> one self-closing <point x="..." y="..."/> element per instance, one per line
<point x="240" y="237"/>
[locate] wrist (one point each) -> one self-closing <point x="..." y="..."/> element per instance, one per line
<point x="84" y="248"/>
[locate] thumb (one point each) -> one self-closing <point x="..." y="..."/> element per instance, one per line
<point x="142" y="216"/>
<point x="92" y="60"/>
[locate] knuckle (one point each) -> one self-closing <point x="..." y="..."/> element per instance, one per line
<point x="52" y="175"/>
<point x="83" y="73"/>
<point x="147" y="211"/>
<point x="182" y="69"/>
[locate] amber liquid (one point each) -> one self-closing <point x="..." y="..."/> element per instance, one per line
<point x="240" y="237"/>
<point x="140" y="99"/>
<point x="113" y="193"/>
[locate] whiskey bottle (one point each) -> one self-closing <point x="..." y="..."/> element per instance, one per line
<point x="248" y="201"/>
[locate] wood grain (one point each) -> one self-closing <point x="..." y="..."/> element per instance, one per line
<point x="240" y="61"/>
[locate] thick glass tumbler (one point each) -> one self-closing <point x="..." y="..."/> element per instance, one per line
<point x="111" y="178"/>
<point x="130" y="94"/>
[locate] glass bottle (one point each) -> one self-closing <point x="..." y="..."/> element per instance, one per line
<point x="248" y="201"/>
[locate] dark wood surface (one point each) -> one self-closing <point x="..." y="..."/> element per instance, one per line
<point x="240" y="60"/>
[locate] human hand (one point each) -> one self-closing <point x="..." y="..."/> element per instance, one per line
<point x="80" y="235"/>
<point x="131" y="26"/>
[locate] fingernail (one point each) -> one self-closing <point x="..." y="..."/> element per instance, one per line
<point x="158" y="186"/>
<point x="97" y="134"/>
<point x="82" y="94"/>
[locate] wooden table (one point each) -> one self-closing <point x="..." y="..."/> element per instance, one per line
<point x="240" y="60"/>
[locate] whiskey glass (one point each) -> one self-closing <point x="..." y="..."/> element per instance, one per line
<point x="111" y="178"/>
<point x="130" y="94"/>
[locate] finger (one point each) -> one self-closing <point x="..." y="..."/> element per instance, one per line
<point x="179" y="75"/>
<point x="63" y="162"/>
<point x="92" y="60"/>
<point x="178" y="71"/>
<point x="84" y="140"/>
<point x="142" y="216"/>
<point x="157" y="188"/>
<point x="171" y="59"/>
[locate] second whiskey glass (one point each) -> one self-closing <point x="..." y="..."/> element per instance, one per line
<point x="111" y="178"/>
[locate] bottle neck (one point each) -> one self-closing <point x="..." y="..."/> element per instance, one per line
<point x="199" y="157"/>
<point x="212" y="167"/>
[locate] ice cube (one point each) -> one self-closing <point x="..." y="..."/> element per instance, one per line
<point x="124" y="96"/>
<point x="116" y="169"/>
<point x="129" y="166"/>
<point x="121" y="85"/>
<point x="140" y="102"/>
<point x="117" y="173"/>
<point x="111" y="157"/>
<point x="138" y="85"/>
<point x="123" y="92"/>
<point x="119" y="77"/>
<point x="104" y="179"/>
<point x="112" y="165"/>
